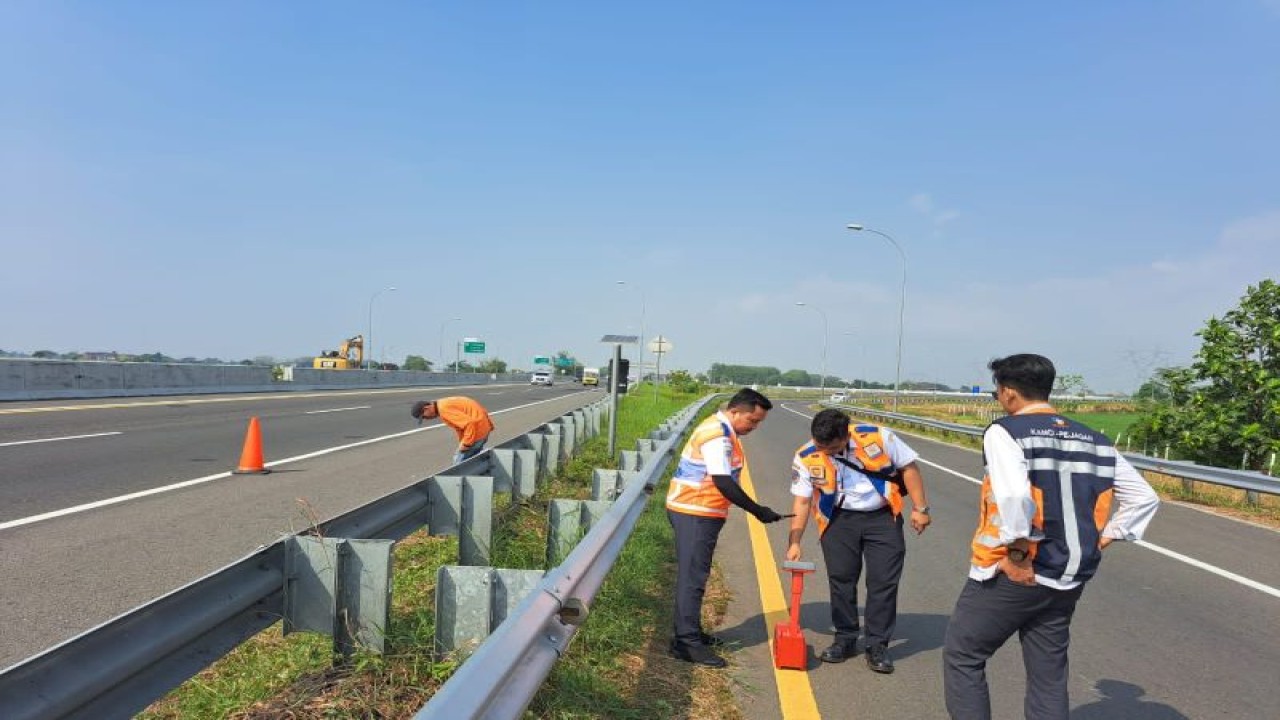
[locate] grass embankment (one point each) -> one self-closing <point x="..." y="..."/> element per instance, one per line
<point x="617" y="666"/>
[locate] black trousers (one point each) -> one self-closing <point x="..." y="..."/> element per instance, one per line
<point x="696" y="538"/>
<point x="874" y="539"/>
<point x="987" y="614"/>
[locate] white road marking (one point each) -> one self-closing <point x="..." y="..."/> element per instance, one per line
<point x="321" y="412"/>
<point x="1141" y="543"/>
<point x="188" y="400"/>
<point x="207" y="478"/>
<point x="69" y="437"/>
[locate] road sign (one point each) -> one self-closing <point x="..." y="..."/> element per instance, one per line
<point x="564" y="362"/>
<point x="660" y="345"/>
<point x="472" y="346"/>
<point x="541" y="360"/>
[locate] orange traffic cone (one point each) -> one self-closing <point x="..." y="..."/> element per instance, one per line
<point x="251" y="456"/>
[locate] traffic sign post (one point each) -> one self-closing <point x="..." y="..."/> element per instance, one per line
<point x="614" y="367"/>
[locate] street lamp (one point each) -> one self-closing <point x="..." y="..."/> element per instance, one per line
<point x="902" y="302"/>
<point x="822" y="384"/>
<point x="369" y="335"/>
<point x="440" y="350"/>
<point x="640" y="360"/>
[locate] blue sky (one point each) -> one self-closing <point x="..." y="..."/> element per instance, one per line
<point x="236" y="179"/>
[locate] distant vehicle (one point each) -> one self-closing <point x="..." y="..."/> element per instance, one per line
<point x="347" y="357"/>
<point x="541" y="377"/>
<point x="590" y="376"/>
<point x="839" y="397"/>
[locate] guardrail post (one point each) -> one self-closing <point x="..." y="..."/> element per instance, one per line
<point x="567" y="522"/>
<point x="515" y="471"/>
<point x="629" y="460"/>
<point x="551" y="457"/>
<point x="338" y="587"/>
<point x="471" y="602"/>
<point x="607" y="485"/>
<point x="568" y="434"/>
<point x="463" y="506"/>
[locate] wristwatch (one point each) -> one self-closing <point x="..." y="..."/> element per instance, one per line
<point x="1017" y="554"/>
<point x="923" y="509"/>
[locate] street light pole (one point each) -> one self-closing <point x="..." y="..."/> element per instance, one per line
<point x="822" y="383"/>
<point x="369" y="334"/>
<point x="902" y="303"/>
<point x="440" y="349"/>
<point x="640" y="360"/>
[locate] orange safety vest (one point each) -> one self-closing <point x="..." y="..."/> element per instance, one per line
<point x="871" y="456"/>
<point x="693" y="492"/>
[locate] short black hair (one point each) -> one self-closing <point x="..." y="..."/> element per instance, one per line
<point x="1031" y="375"/>
<point x="749" y="399"/>
<point x="418" y="407"/>
<point x="829" y="425"/>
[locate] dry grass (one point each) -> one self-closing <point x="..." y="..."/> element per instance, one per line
<point x="1224" y="500"/>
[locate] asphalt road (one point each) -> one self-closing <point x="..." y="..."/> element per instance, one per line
<point x="73" y="554"/>
<point x="1154" y="636"/>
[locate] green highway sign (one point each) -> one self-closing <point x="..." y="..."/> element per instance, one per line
<point x="564" y="362"/>
<point x="541" y="360"/>
<point x="473" y="346"/>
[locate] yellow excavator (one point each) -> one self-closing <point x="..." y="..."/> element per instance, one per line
<point x="348" y="356"/>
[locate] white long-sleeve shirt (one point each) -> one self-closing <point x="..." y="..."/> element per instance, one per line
<point x="1134" y="504"/>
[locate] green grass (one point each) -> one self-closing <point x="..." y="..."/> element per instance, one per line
<point x="1111" y="424"/>
<point x="275" y="676"/>
<point x="608" y="670"/>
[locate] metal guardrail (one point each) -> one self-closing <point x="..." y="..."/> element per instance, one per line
<point x="500" y="679"/>
<point x="1247" y="480"/>
<point x="118" y="668"/>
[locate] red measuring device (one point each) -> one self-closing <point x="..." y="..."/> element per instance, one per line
<point x="789" y="648"/>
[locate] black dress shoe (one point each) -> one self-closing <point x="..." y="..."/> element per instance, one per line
<point x="710" y="640"/>
<point x="839" y="652"/>
<point x="878" y="659"/>
<point x="700" y="654"/>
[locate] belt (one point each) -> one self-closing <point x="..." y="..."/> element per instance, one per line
<point x="881" y="509"/>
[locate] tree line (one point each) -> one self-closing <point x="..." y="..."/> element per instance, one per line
<point x="1223" y="409"/>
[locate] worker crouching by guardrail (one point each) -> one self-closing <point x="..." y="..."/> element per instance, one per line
<point x="467" y="417"/>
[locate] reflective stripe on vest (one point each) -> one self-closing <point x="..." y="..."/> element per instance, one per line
<point x="871" y="453"/>
<point x="1072" y="471"/>
<point x="692" y="491"/>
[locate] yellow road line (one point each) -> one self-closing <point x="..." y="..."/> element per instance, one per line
<point x="795" y="694"/>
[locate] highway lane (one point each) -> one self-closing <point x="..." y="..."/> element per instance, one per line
<point x="65" y="574"/>
<point x="1154" y="636"/>
<point x="57" y="455"/>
